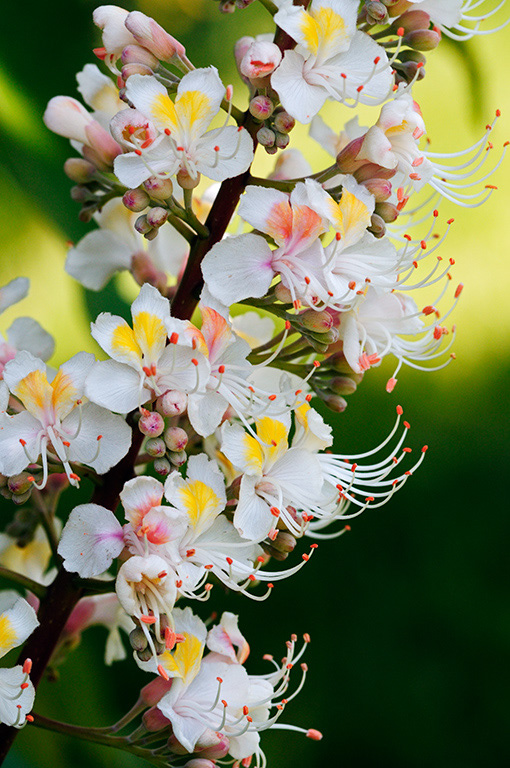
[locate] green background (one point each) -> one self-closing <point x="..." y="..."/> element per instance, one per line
<point x="409" y="612"/>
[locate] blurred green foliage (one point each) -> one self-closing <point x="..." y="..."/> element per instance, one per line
<point x="409" y="612"/>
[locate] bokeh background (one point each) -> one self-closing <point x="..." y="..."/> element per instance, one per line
<point x="409" y="612"/>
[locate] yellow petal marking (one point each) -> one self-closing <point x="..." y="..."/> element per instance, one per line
<point x="163" y="112"/>
<point x="323" y="27"/>
<point x="8" y="636"/>
<point x="200" y="502"/>
<point x="150" y="334"/>
<point x="35" y="393"/>
<point x="274" y="434"/>
<point x="253" y="453"/>
<point x="124" y="343"/>
<point x="64" y="395"/>
<point x="351" y="216"/>
<point x="394" y="129"/>
<point x="193" y="109"/>
<point x="301" y="414"/>
<point x="185" y="661"/>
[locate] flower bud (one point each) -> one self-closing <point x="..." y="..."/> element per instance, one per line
<point x="283" y="294"/>
<point x="153" y="37"/>
<point x="281" y="140"/>
<point x="142" y="225"/>
<point x="137" y="639"/>
<point x="159" y="189"/>
<point x="80" y="194"/>
<point x="172" y="403"/>
<point x="155" y="447"/>
<point x="261" y="107"/>
<point x="136" y="200"/>
<point x="213" y="745"/>
<point x="280" y="548"/>
<point x="227" y="6"/>
<point x="151" y="423"/>
<point x="178" y="458"/>
<point x="260" y="60"/>
<point x="408" y="71"/>
<point x="241" y="48"/>
<point x="144" y="270"/>
<point x="162" y="467"/>
<point x="377" y="12"/>
<point x="20" y="498"/>
<point x="410" y="55"/>
<point x="271" y="150"/>
<point x="342" y="385"/>
<point x="377" y="226"/>
<point x="266" y="137"/>
<point x="346" y="159"/>
<point x="380" y="189"/>
<point x="373" y="171"/>
<point x="319" y="322"/>
<point x="412" y="20"/>
<point x="135" y="54"/>
<point x="335" y="402"/>
<point x="175" y="438"/>
<point x="129" y="122"/>
<point x="110" y="19"/>
<point x="157" y="216"/>
<point x="387" y="211"/>
<point x="20" y="484"/>
<point x="79" y="170"/>
<point x="186" y="181"/>
<point x="154" y="720"/>
<point x="135" y="69"/>
<point x="199" y="762"/>
<point x="283" y="122"/>
<point x="155" y="690"/>
<point x="423" y="39"/>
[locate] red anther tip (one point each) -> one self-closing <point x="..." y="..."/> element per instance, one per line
<point x="459" y="290"/>
<point x="360" y="88"/>
<point x="23" y="442"/>
<point x="162" y="671"/>
<point x="74" y="476"/>
<point x="270" y="586"/>
<point x="307" y="280"/>
<point x="401" y="31"/>
<point x="245" y="710"/>
<point x="271" y="397"/>
<point x="436" y="214"/>
<point x="252" y="577"/>
<point x="31" y="479"/>
<point x="316" y="364"/>
<point x="314" y="546"/>
<point x="29" y="718"/>
<point x="178" y="583"/>
<point x="190" y="552"/>
<point x="24" y="686"/>
<point x="306" y="637"/>
<point x="407" y="450"/>
<point x="219" y="679"/>
<point x="148" y="619"/>
<point x="369" y="498"/>
<point x="260" y="559"/>
<point x="162" y="574"/>
<point x="208" y="566"/>
<point x="314" y="735"/>
<point x="216" y="148"/>
<point x="224" y="703"/>
<point x="229" y="560"/>
<point x="407" y="425"/>
<point x="450" y="221"/>
<point x="250" y="719"/>
<point x="174" y="338"/>
<point x="347" y="528"/>
<point x="390" y="385"/>
<point x="221" y="369"/>
<point x="287" y="325"/>
<point x="194" y="361"/>
<point x="498" y="113"/>
<point x="352" y="285"/>
<point x="305" y="557"/>
<point x="308" y="398"/>
<point x="490" y="186"/>
<point x="208" y="587"/>
<point x="304" y="667"/>
<point x="425" y="449"/>
<point x="27" y="666"/>
<point x="138" y="152"/>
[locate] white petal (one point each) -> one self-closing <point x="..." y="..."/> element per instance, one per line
<point x="233" y="157"/>
<point x="13" y="292"/>
<point x="238" y="267"/>
<point x="18" y="621"/>
<point x="140" y="495"/>
<point x="299" y="98"/>
<point x="21" y="426"/>
<point x="113" y="444"/>
<point x="97" y="257"/>
<point x="26" y="333"/>
<point x="252" y="518"/>
<point x="13" y="711"/>
<point x="92" y="538"/>
<point x="115" y="386"/>
<point x="205" y="412"/>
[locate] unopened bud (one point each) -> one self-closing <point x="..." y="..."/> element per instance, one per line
<point x="412" y="20"/>
<point x="335" y="402"/>
<point x="172" y="403"/>
<point x="408" y="71"/>
<point x="136" y="200"/>
<point x="373" y="171"/>
<point x="213" y="745"/>
<point x="283" y="122"/>
<point x="175" y="438"/>
<point x="153" y="37"/>
<point x="137" y="639"/>
<point x="144" y="270"/>
<point x="136" y="54"/>
<point x="377" y="226"/>
<point x="155" y="690"/>
<point x="142" y="225"/>
<point x="178" y="458"/>
<point x="281" y="140"/>
<point x="377" y="12"/>
<point x="319" y="322"/>
<point x="79" y="170"/>
<point x="387" y="211"/>
<point x="80" y="194"/>
<point x="20" y="484"/>
<point x="154" y="720"/>
<point x="346" y="159"/>
<point x="260" y="60"/>
<point x="186" y="181"/>
<point x="271" y="150"/>
<point x="266" y="137"/>
<point x="199" y="762"/>
<point x="227" y="6"/>
<point x="159" y="189"/>
<point x="145" y="655"/>
<point x="283" y="294"/>
<point x="261" y="107"/>
<point x="396" y="7"/>
<point x="157" y="216"/>
<point x="135" y="69"/>
<point x="342" y="385"/>
<point x="151" y="423"/>
<point x="380" y="188"/>
<point x="423" y="39"/>
<point x="155" y="447"/>
<point x="284" y="542"/>
<point x="162" y="467"/>
<point x="410" y="55"/>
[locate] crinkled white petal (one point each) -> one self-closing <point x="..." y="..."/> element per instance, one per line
<point x="92" y="538"/>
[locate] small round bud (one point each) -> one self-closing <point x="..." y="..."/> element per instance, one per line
<point x="266" y="137"/>
<point x="157" y="216"/>
<point x="178" y="458"/>
<point x="377" y="226"/>
<point x="387" y="211"/>
<point x="155" y="447"/>
<point x="154" y="720"/>
<point x="342" y="385"/>
<point x="145" y="654"/>
<point x="346" y="158"/>
<point x="271" y="150"/>
<point x="199" y="762"/>
<point x="282" y="140"/>
<point x="159" y="189"/>
<point x="318" y="322"/>
<point x="261" y="107"/>
<point x="20" y="498"/>
<point x="137" y="639"/>
<point x="377" y="12"/>
<point x="422" y="39"/>
<point x="412" y="20"/>
<point x="186" y="181"/>
<point x="151" y="424"/>
<point x="135" y="69"/>
<point x="283" y="122"/>
<point x="20" y="484"/>
<point x="136" y="54"/>
<point x="408" y="71"/>
<point x="284" y="542"/>
<point x="162" y="467"/>
<point x="80" y="194"/>
<point x="152" y="235"/>
<point x="380" y="188"/>
<point x="283" y="294"/>
<point x="172" y="403"/>
<point x="175" y="438"/>
<point x="136" y="200"/>
<point x="79" y="170"/>
<point x="335" y="402"/>
<point x="142" y="225"/>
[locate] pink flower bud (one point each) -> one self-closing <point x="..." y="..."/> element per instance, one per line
<point x="154" y="720"/>
<point x="373" y="171"/>
<point x="159" y="189"/>
<point x="283" y="294"/>
<point x="67" y="117"/>
<point x="136" y="200"/>
<point x="261" y="107"/>
<point x="79" y="170"/>
<point x="157" y="216"/>
<point x="213" y="745"/>
<point x="110" y="19"/>
<point x="413" y="20"/>
<point x="423" y="39"/>
<point x="346" y="160"/>
<point x="151" y="424"/>
<point x="380" y="188"/>
<point x="175" y="438"/>
<point x="199" y="762"/>
<point x="162" y="467"/>
<point x="318" y="322"/>
<point x="135" y="69"/>
<point x="155" y="447"/>
<point x="155" y="690"/>
<point x="136" y="54"/>
<point x="241" y="48"/>
<point x="335" y="403"/>
<point x="260" y="60"/>
<point x="172" y="403"/>
<point x="144" y="271"/>
<point x="153" y="37"/>
<point x="102" y="143"/>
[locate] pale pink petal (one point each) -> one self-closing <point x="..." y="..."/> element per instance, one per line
<point x="238" y="267"/>
<point x="103" y="438"/>
<point x="92" y="538"/>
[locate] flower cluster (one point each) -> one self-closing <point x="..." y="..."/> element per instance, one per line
<point x="209" y="456"/>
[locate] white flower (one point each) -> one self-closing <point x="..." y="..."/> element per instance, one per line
<point x="24" y="333"/>
<point x="55" y="420"/>
<point x="17" y="622"/>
